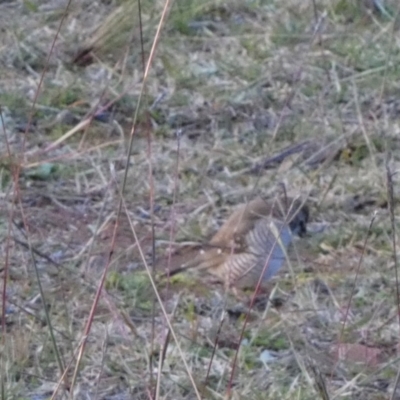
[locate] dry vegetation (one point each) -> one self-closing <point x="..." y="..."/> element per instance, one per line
<point x="232" y="86"/>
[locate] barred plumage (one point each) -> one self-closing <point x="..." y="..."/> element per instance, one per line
<point x="252" y="242"/>
<point x="265" y="254"/>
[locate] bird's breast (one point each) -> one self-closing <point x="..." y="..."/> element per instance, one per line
<point x="265" y="254"/>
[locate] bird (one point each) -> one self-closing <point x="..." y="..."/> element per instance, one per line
<point x="252" y="244"/>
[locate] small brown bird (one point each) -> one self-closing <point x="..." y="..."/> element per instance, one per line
<point x="252" y="242"/>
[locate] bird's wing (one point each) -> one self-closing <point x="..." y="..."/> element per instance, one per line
<point x="264" y="253"/>
<point x="241" y="221"/>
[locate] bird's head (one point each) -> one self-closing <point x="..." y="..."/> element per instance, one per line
<point x="298" y="218"/>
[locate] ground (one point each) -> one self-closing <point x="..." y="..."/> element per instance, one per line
<point x="241" y="98"/>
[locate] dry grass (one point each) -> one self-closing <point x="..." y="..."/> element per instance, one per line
<point x="231" y="86"/>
